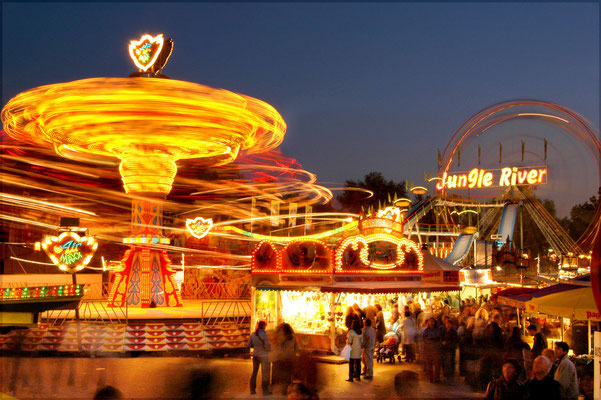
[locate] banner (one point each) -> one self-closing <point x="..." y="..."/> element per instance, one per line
<point x="308" y="217"/>
<point x="292" y="213"/>
<point x="275" y="212"/>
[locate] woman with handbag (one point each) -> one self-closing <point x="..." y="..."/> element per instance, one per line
<point x="259" y="342"/>
<point x="355" y="341"/>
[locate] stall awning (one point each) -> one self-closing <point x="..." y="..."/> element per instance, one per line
<point x="377" y="287"/>
<point x="368" y="287"/>
<point x="517" y="299"/>
<point x="578" y="304"/>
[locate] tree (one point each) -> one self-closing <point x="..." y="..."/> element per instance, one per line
<point x="351" y="200"/>
<point x="581" y="216"/>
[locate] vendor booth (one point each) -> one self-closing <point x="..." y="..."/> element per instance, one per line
<point x="310" y="285"/>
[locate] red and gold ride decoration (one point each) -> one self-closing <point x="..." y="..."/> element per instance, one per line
<point x="378" y="248"/>
<point x="148" y="123"/>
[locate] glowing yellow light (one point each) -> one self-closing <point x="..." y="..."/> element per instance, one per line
<point x="543" y="115"/>
<point x="278" y="254"/>
<point x="148" y="123"/>
<point x="403" y="245"/>
<point x="286" y="239"/>
<point x="393" y="213"/>
<point x="144" y="52"/>
<point x="69" y="251"/>
<point x="199" y="227"/>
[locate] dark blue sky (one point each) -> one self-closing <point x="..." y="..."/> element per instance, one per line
<point x="362" y="87"/>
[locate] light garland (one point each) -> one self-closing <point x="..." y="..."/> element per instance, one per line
<point x="287" y="239"/>
<point x="403" y="245"/>
<point x="29" y="292"/>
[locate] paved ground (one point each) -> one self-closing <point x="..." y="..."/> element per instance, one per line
<point x="148" y="377"/>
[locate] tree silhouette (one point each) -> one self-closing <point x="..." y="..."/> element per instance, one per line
<point x="351" y="199"/>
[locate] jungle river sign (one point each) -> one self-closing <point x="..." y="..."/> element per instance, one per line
<point x="501" y="177"/>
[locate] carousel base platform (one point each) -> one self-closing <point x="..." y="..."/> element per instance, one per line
<point x="197" y="326"/>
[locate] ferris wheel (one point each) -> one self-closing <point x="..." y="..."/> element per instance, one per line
<point x="520" y="152"/>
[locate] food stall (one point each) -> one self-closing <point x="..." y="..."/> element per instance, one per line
<point x="310" y="285"/>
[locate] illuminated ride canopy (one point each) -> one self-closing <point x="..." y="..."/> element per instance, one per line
<point x="148" y="124"/>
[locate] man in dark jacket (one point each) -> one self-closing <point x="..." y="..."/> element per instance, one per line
<point x="542" y="385"/>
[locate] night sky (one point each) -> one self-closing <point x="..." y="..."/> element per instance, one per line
<point x="362" y="87"/>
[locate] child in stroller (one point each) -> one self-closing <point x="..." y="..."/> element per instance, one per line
<point x="389" y="348"/>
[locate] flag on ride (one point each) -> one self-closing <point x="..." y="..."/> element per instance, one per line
<point x="308" y="216"/>
<point x="292" y="213"/>
<point x="275" y="212"/>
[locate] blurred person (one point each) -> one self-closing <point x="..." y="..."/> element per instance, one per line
<point x="108" y="393"/>
<point x="259" y="342"/>
<point x="394" y="314"/>
<point x="352" y="315"/>
<point x="542" y="386"/>
<point x="550" y="354"/>
<point x="431" y="350"/>
<point x="360" y="312"/>
<point x="565" y="373"/>
<point x="508" y="386"/>
<point x="355" y="340"/>
<point x="515" y="348"/>
<point x="380" y="325"/>
<point x="370" y="313"/>
<point x="202" y="384"/>
<point x="448" y="348"/>
<point x="540" y="342"/>
<point x="285" y="358"/>
<point x="587" y="385"/>
<point x="299" y="391"/>
<point x="406" y="384"/>
<point x="409" y="330"/>
<point x="368" y="345"/>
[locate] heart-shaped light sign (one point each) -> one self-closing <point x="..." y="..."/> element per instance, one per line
<point x="199" y="227"/>
<point x="69" y="251"/>
<point x="144" y="52"/>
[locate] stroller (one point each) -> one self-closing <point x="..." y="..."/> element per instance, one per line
<point x="389" y="350"/>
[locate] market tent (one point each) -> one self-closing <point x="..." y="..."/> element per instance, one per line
<point x="578" y="304"/>
<point x="518" y="298"/>
<point x="433" y="263"/>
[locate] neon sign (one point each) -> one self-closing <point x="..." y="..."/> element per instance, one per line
<point x="199" y="227"/>
<point x="144" y="52"/>
<point x="69" y="251"/>
<point x="481" y="178"/>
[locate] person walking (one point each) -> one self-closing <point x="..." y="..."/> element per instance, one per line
<point x="542" y="386"/>
<point x="508" y="386"/>
<point x="565" y="373"/>
<point x="515" y="348"/>
<point x="448" y="348"/>
<point x="380" y="325"/>
<point x="355" y="340"/>
<point x="259" y="342"/>
<point x="538" y="345"/>
<point x="409" y="330"/>
<point x="369" y="344"/>
<point x="432" y="338"/>
<point x="286" y="356"/>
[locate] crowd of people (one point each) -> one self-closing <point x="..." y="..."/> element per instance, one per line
<point x="480" y="342"/>
<point x="492" y="353"/>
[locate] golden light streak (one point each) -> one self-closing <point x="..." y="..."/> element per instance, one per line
<point x="287" y="239"/>
<point x="29" y="202"/>
<point x="543" y="115"/>
<point x="147" y="123"/>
